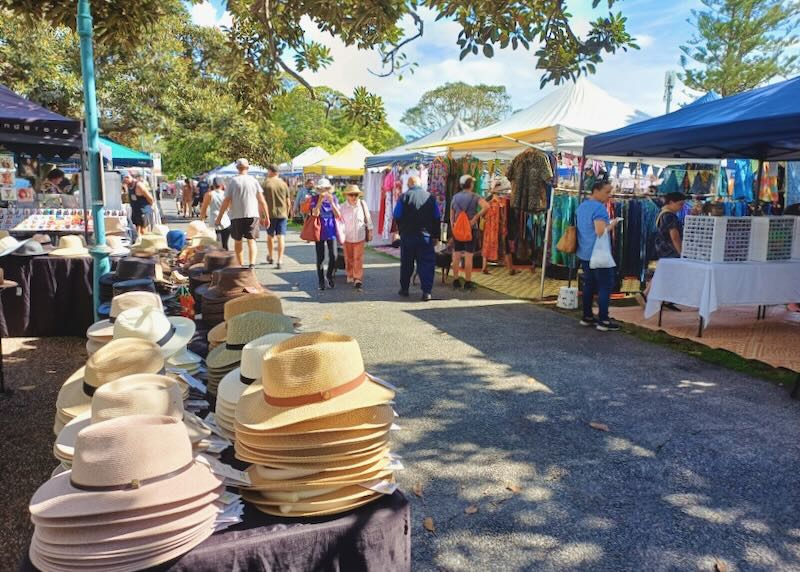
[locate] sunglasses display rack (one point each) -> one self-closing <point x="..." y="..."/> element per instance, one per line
<point x="772" y="238"/>
<point x="47" y="220"/>
<point x="716" y="239"/>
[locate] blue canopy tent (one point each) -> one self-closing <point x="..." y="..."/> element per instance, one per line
<point x="710" y="96"/>
<point x="760" y="124"/>
<point x="122" y="156"/>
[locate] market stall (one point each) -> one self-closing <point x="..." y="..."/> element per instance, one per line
<point x="347" y="162"/>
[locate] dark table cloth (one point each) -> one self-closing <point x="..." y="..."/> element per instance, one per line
<point x="375" y="537"/>
<point x="55" y="299"/>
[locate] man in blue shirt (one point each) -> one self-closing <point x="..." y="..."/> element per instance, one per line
<point x="592" y="223"/>
<point x="419" y="222"/>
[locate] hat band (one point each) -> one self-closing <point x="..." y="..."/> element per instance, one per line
<point x="167" y="337"/>
<point x="134" y="483"/>
<point x="89" y="389"/>
<point x="318" y="397"/>
<point x="112" y="319"/>
<point x="246" y="380"/>
<point x="234" y="346"/>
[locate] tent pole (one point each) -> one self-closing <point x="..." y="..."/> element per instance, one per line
<point x="548" y="226"/>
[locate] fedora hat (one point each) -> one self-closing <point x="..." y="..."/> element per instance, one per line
<point x="243" y="329"/>
<point x="170" y="334"/>
<point x="139" y="394"/>
<point x="71" y="245"/>
<point x="199" y="228"/>
<point x="117" y="246"/>
<point x="265" y="478"/>
<point x="103" y="331"/>
<point x="248" y="451"/>
<point x="154" y="241"/>
<point x="31" y="247"/>
<point x="116" y="225"/>
<point x="235" y="382"/>
<point x="161" y="229"/>
<point x="306" y="377"/>
<point x="373" y="417"/>
<point x="6" y="283"/>
<point x="118" y="358"/>
<point x="333" y="502"/>
<point x="202" y="240"/>
<point x="214" y="260"/>
<point x="131" y="268"/>
<point x="258" y="302"/>
<point x="297" y="443"/>
<point x="8" y="244"/>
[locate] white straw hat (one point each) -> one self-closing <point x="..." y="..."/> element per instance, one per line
<point x="71" y="245"/>
<point x="170" y="334"/>
<point x="103" y="331"/>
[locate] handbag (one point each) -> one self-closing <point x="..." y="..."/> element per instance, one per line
<point x="368" y="232"/>
<point x="601" y="253"/>
<point x="311" y="229"/>
<point x="340" y="235"/>
<point x="568" y="243"/>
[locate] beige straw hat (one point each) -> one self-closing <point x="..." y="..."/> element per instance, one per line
<point x="152" y="241"/>
<point x="306" y="456"/>
<point x="199" y="228"/>
<point x="375" y="417"/>
<point x="203" y="241"/>
<point x="360" y="460"/>
<point x="170" y="334"/>
<point x="339" y="500"/>
<point x="125" y="464"/>
<point x="140" y="394"/>
<point x="264" y="478"/>
<point x="257" y="302"/>
<point x="117" y="359"/>
<point x="301" y="443"/>
<point x="71" y="245"/>
<point x="309" y="376"/>
<point x="103" y="331"/>
<point x="243" y="329"/>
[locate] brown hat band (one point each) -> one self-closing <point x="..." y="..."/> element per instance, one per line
<point x="135" y="483"/>
<point x="318" y="397"/>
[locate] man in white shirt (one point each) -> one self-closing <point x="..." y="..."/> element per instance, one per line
<point x="247" y="208"/>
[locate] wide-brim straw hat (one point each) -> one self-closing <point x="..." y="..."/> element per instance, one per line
<point x="71" y="245"/>
<point x="356" y="476"/>
<point x="309" y="376"/>
<point x="116" y="359"/>
<point x="335" y="502"/>
<point x="117" y="246"/>
<point x="125" y="464"/>
<point x="199" y="228"/>
<point x="243" y="329"/>
<point x="184" y="359"/>
<point x="8" y="244"/>
<point x="154" y="241"/>
<point x="203" y="241"/>
<point x="375" y="417"/>
<point x="307" y="456"/>
<point x="32" y="247"/>
<point x="171" y="334"/>
<point x="219" y="333"/>
<point x="138" y="394"/>
<point x="269" y="477"/>
<point x="300" y="443"/>
<point x="103" y="331"/>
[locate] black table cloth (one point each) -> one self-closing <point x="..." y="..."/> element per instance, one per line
<point x="375" y="537"/>
<point x="55" y="297"/>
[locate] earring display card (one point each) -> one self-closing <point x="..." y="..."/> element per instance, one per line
<point x="716" y="239"/>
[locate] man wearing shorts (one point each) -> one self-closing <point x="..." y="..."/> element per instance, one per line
<point x="468" y="202"/>
<point x="244" y="199"/>
<point x="276" y="194"/>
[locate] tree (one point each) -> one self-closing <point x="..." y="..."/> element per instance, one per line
<point x="741" y="44"/>
<point x="476" y="105"/>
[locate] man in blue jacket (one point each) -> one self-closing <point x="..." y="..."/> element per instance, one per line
<point x="419" y="222"/>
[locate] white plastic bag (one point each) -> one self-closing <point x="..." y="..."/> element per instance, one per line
<point x="601" y="253"/>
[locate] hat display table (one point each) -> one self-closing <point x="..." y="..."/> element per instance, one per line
<point x="375" y="536"/>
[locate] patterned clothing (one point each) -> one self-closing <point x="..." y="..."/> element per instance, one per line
<point x="529" y="173"/>
<point x="495" y="229"/>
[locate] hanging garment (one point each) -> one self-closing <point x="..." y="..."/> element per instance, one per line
<point x="792" y="183"/>
<point x="529" y="173"/>
<point x="495" y="229"/>
<point x="722" y="183"/>
<point x="564" y="208"/>
<point x="670" y="184"/>
<point x="743" y="180"/>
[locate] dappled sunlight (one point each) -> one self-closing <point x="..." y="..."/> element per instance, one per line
<point x="618" y="444"/>
<point x="694" y="505"/>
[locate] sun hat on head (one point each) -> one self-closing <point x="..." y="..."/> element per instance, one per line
<point x="124" y="470"/>
<point x="138" y="394"/>
<point x="243" y="329"/>
<point x="71" y="245"/>
<point x="169" y="334"/>
<point x="103" y="331"/>
<point x="309" y="376"/>
<point x="323" y="183"/>
<point x="353" y="190"/>
<point x="259" y="302"/>
<point x="118" y="358"/>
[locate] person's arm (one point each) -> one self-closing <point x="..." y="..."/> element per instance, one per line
<point x="222" y="209"/>
<point x="204" y="206"/>
<point x="262" y="205"/>
<point x="482" y="213"/>
<point x="145" y="193"/>
<point x="397" y="213"/>
<point x="677" y="242"/>
<point x="316" y="208"/>
<point x="335" y="206"/>
<point x="367" y="216"/>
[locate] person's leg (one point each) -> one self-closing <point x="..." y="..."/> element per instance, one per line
<point x="281" y="247"/>
<point x="358" y="261"/>
<point x="426" y="266"/>
<point x="224" y="235"/>
<point x="407" y="254"/>
<point x="468" y="266"/>
<point x="331" y="262"/>
<point x="457" y="256"/>
<point x="603" y="278"/>
<point x="237" y="249"/>
<point x="589" y="288"/>
<point x="349" y="251"/>
<point x="269" y="247"/>
<point x="320" y="251"/>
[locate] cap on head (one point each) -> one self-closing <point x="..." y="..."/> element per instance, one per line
<point x="242" y="164"/>
<point x="465" y="181"/>
<point x="324" y="184"/>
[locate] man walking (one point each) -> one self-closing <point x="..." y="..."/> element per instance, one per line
<point x="244" y="199"/>
<point x="592" y="224"/>
<point x="276" y="193"/>
<point x="419" y="222"/>
<point x="302" y="194"/>
<point x="467" y="202"/>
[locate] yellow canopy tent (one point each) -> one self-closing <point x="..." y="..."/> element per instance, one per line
<point x="346" y="162"/>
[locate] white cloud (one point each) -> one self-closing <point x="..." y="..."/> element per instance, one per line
<point x="644" y="40"/>
<point x="206" y="14"/>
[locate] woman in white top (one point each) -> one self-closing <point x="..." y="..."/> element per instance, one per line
<point x="357" y="232"/>
<point x="212" y="201"/>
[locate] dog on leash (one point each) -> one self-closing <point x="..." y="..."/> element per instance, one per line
<point x="444" y="261"/>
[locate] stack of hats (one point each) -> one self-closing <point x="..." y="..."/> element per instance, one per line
<point x="116" y="226"/>
<point x="102" y="332"/>
<point x="199" y="234"/>
<point x="200" y="274"/>
<point x="140" y="394"/>
<point x="170" y="334"/>
<point x="71" y="246"/>
<point x="228" y="283"/>
<point x="135" y="498"/>
<point x="130" y="268"/>
<point x="235" y="382"/>
<point x="242" y="329"/>
<point x="316" y="428"/>
<point x="117" y="246"/>
<point x="260" y="302"/>
<point x="116" y="359"/>
<point x="154" y="242"/>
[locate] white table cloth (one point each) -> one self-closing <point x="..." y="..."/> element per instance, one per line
<point x="708" y="286"/>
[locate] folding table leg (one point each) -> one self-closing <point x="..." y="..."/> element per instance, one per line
<point x="700" y="328"/>
<point x="660" y="313"/>
<point x="796" y="390"/>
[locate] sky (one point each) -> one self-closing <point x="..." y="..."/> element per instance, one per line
<point x="635" y="77"/>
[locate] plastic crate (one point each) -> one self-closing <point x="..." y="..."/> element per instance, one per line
<point x="716" y="238"/>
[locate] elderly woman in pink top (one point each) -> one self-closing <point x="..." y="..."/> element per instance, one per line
<point x="357" y="232"/>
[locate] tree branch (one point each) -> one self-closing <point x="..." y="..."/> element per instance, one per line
<point x="273" y="49"/>
<point x="388" y="58"/>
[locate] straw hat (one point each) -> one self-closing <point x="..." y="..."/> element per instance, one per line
<point x="203" y="241"/>
<point x="199" y="228"/>
<point x="247" y="451"/>
<point x="71" y="245"/>
<point x="258" y="302"/>
<point x="116" y="225"/>
<point x="103" y="331"/>
<point x="161" y="229"/>
<point x="185" y="359"/>
<point x="319" y="481"/>
<point x="309" y="376"/>
<point x="243" y="329"/>
<point x="334" y="502"/>
<point x="31" y="247"/>
<point x="116" y="359"/>
<point x="375" y="417"/>
<point x="296" y="443"/>
<point x="139" y="394"/>
<point x="154" y="241"/>
<point x="324" y="183"/>
<point x="147" y="323"/>
<point x="353" y="190"/>
<point x="8" y="244"/>
<point x="117" y="246"/>
<point x="125" y="467"/>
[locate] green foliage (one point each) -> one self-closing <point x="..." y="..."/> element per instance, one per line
<point x="741" y="44"/>
<point x="477" y="105"/>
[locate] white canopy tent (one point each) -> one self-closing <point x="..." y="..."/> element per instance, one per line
<point x="230" y="170"/>
<point x="308" y="157"/>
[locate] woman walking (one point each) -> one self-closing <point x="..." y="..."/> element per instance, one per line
<point x="212" y="201"/>
<point x="357" y="232"/>
<point x="325" y="206"/>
